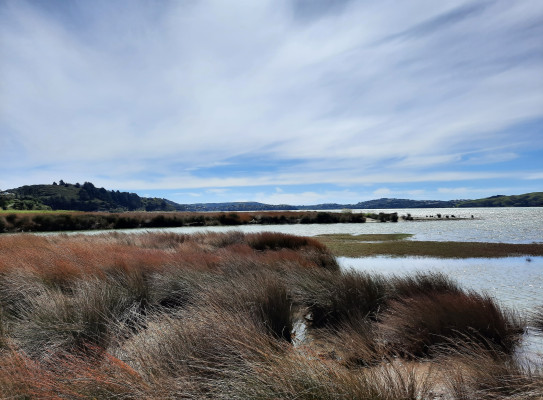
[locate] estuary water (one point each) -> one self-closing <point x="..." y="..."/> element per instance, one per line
<point x="504" y="225"/>
<point x="517" y="282"/>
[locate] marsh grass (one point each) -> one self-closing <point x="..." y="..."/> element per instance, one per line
<point x="415" y="326"/>
<point x="211" y="315"/>
<point x="367" y="237"/>
<point x="479" y="372"/>
<point x="536" y="318"/>
<point x="403" y="248"/>
<point x="421" y="283"/>
<point x="45" y="221"/>
<point x="332" y="298"/>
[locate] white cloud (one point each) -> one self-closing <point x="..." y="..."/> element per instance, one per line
<point x="110" y="91"/>
<point x="382" y="192"/>
<point x="308" y="197"/>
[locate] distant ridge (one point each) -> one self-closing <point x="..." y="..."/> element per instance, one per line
<point x="87" y="197"/>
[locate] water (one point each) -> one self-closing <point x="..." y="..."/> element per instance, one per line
<point x="515" y="282"/>
<point x="503" y="225"/>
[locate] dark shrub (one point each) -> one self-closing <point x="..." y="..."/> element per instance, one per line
<point x="229" y="219"/>
<point x="126" y="223"/>
<point x="10" y="218"/>
<point x="326" y="218"/>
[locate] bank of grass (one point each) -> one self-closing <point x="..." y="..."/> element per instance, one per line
<point x="394" y="245"/>
<point x="212" y="316"/>
<point x="47" y="221"/>
<point x="11" y="211"/>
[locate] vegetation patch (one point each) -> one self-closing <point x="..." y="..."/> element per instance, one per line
<point x="394" y="245"/>
<point x="218" y="316"/>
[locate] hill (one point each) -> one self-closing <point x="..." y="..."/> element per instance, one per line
<point x="534" y="199"/>
<point x="371" y="204"/>
<point x="86" y="197"/>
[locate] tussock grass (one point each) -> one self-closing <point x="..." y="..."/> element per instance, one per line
<point x="416" y="325"/>
<point x="420" y="284"/>
<point x="477" y="372"/>
<point x="536" y="319"/>
<point x="332" y="299"/>
<point x="211" y="316"/>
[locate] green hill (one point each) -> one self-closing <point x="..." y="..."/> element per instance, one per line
<point x="534" y="199"/>
<point x="86" y="197"/>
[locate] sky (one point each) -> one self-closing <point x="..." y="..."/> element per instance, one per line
<point x="276" y="101"/>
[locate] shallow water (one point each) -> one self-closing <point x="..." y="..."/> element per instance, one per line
<point x="516" y="282"/>
<point x="505" y="225"/>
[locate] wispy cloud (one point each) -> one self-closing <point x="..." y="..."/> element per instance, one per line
<point x="179" y="95"/>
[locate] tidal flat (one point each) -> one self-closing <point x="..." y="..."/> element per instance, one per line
<point x="218" y="315"/>
<point x="396" y="245"/>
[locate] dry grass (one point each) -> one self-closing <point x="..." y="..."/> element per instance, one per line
<point x="211" y="316"/>
<point x="477" y="372"/>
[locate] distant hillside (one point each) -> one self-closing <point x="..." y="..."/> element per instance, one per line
<point x="534" y="199"/>
<point x="371" y="204"/>
<point x="85" y="197"/>
<point x="405" y="203"/>
<point x="234" y="206"/>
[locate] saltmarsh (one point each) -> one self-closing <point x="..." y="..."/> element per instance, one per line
<point x="395" y="245"/>
<point x="212" y="316"/>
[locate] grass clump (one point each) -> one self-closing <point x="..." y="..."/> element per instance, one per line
<point x="415" y="326"/>
<point x="332" y="299"/>
<point x="212" y="316"/>
<point x="536" y="319"/>
<point x="477" y="372"/>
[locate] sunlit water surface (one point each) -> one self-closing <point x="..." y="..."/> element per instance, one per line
<point x="505" y="225"/>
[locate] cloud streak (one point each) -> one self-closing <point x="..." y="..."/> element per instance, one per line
<point x="141" y="95"/>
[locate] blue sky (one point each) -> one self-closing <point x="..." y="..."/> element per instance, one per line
<point x="277" y="101"/>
